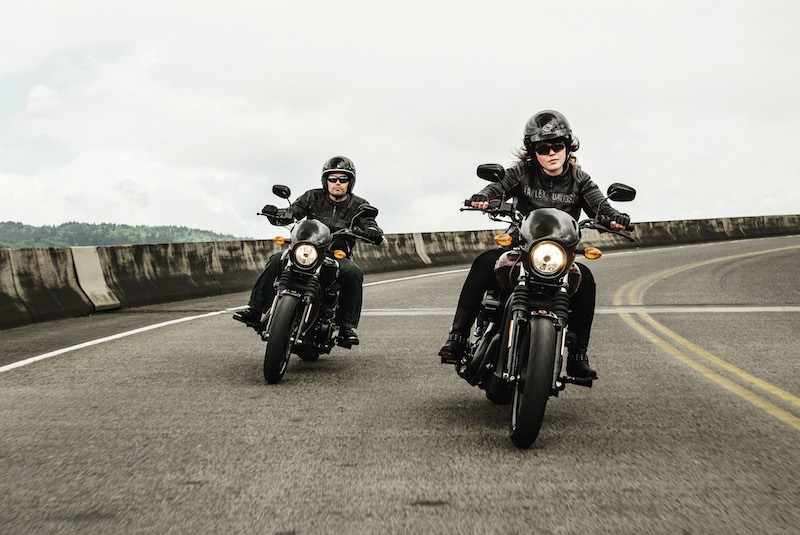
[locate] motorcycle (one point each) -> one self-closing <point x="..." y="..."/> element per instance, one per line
<point x="522" y="333"/>
<point x="303" y="316"/>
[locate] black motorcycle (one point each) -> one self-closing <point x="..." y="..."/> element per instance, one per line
<point x="522" y="332"/>
<point x="303" y="316"/>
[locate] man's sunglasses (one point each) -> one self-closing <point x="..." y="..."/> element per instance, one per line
<point x="342" y="179"/>
<point x="543" y="149"/>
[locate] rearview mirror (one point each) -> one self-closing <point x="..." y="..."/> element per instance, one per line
<point x="364" y="210"/>
<point x="281" y="191"/>
<point x="367" y="210"/>
<point x="493" y="172"/>
<point x="621" y="192"/>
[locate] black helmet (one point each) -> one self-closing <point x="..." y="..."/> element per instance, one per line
<point x="547" y="125"/>
<point x="339" y="164"/>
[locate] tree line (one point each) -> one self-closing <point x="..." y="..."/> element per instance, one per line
<point x="17" y="235"/>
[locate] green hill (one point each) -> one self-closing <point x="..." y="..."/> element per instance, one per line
<point x="18" y="235"/>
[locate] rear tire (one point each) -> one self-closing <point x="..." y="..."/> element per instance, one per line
<point x="279" y="346"/>
<point x="531" y="394"/>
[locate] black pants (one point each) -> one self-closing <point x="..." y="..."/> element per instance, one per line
<point x="350" y="278"/>
<point x="481" y="278"/>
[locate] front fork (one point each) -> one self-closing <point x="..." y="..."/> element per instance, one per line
<point x="309" y="297"/>
<point x="518" y="327"/>
<point x="519" y="313"/>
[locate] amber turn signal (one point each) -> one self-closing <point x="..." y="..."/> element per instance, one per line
<point x="338" y="254"/>
<point x="280" y="240"/>
<point x="592" y="253"/>
<point x="503" y="239"/>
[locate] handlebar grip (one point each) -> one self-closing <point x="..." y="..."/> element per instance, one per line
<point x="606" y="222"/>
<point x="494" y="204"/>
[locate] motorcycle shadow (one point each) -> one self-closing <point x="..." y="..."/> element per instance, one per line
<point x="487" y="423"/>
<point x="328" y="368"/>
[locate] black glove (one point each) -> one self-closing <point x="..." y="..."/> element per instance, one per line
<point x="479" y="197"/>
<point x="269" y="210"/>
<point x="371" y="234"/>
<point x="622" y="219"/>
<point x="279" y="218"/>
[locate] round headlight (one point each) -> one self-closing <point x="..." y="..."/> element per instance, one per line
<point x="548" y="258"/>
<point x="305" y="254"/>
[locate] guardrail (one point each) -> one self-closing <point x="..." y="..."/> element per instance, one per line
<point x="43" y="284"/>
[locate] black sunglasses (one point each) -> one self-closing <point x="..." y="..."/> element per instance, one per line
<point x="543" y="149"/>
<point x="342" y="179"/>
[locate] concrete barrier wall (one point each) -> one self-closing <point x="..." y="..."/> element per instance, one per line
<point x="47" y="283"/>
<point x="91" y="278"/>
<point x="235" y="265"/>
<point x="146" y="274"/>
<point x="13" y="311"/>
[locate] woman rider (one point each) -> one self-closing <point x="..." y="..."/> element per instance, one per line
<point x="547" y="175"/>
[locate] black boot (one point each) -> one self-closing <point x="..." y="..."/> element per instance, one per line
<point x="456" y="345"/>
<point x="249" y="316"/>
<point x="347" y="337"/>
<point x="578" y="366"/>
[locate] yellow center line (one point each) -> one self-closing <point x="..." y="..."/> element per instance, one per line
<point x="754" y="399"/>
<point x="724" y="364"/>
<point x="634" y="290"/>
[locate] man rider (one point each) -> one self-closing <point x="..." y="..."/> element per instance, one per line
<point x="334" y="205"/>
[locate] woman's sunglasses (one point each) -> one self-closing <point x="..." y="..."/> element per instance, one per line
<point x="543" y="149"/>
<point x="342" y="179"/>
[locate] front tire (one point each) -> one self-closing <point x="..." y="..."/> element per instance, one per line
<point x="279" y="346"/>
<point x="531" y="394"/>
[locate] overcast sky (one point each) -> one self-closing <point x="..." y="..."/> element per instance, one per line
<point x="177" y="112"/>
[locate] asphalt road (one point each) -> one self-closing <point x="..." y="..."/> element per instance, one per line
<point x="693" y="426"/>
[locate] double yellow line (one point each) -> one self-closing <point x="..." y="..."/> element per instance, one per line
<point x="688" y="353"/>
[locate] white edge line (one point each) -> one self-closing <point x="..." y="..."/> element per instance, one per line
<point x="417" y="276"/>
<point x="19" y="364"/>
<point x="31" y="360"/>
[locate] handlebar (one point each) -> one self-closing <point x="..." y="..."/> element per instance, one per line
<point x="497" y="209"/>
<point x="349" y="232"/>
<point x="605" y="221"/>
<point x="601" y="223"/>
<point x="493" y="205"/>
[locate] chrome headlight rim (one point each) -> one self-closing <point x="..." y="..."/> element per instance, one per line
<point x="305" y="255"/>
<point x="549" y="259"/>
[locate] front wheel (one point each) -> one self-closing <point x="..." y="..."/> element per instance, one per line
<point x="279" y="344"/>
<point x="533" y="388"/>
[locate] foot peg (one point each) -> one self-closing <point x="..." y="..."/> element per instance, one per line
<point x="449" y="359"/>
<point x="580" y="381"/>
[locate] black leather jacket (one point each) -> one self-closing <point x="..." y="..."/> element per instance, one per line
<point x="317" y="204"/>
<point x="571" y="191"/>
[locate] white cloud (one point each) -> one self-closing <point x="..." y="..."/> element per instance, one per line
<point x="41" y="99"/>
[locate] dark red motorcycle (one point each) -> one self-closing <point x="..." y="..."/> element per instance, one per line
<point x="522" y="334"/>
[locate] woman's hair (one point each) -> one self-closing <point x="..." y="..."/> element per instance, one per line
<point x="522" y="155"/>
